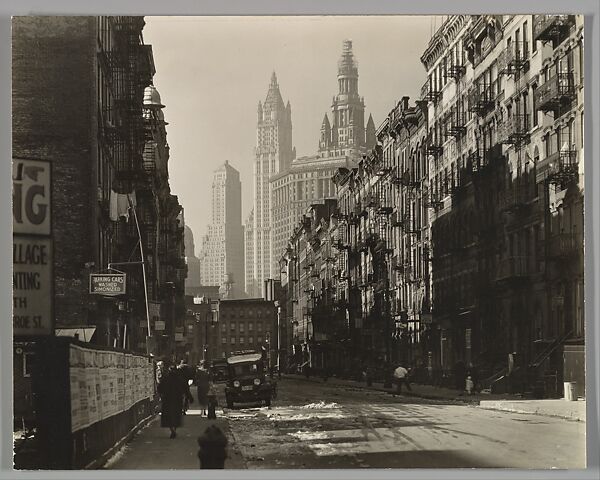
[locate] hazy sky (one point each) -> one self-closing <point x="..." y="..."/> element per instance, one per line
<point x="211" y="73"/>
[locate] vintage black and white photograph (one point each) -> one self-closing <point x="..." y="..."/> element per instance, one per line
<point x="298" y="242"/>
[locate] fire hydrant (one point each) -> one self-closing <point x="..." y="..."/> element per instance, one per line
<point x="213" y="448"/>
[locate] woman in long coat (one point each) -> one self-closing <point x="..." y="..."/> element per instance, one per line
<point x="202" y="384"/>
<point x="172" y="390"/>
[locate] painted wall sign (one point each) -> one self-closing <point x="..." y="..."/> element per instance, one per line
<point x="108" y="284"/>
<point x="31" y="197"/>
<point x="32" y="286"/>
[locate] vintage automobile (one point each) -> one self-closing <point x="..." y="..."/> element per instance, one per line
<point x="219" y="371"/>
<point x="247" y="382"/>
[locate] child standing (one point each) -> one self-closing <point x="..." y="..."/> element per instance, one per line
<point x="212" y="400"/>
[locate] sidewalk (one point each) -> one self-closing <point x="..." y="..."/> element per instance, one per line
<point x="429" y="392"/>
<point x="548" y="407"/>
<point x="505" y="402"/>
<point x="152" y="449"/>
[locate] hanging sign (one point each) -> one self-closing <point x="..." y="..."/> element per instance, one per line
<point x="108" y="284"/>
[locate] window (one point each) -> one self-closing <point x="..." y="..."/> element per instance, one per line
<point x="250" y="340"/>
<point x="258" y="339"/>
<point x="232" y="340"/>
<point x="241" y="341"/>
<point x="232" y="326"/>
<point x="241" y="328"/>
<point x="223" y="328"/>
<point x="259" y="327"/>
<point x="223" y="340"/>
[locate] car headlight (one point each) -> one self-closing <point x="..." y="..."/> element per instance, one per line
<point x="236" y="383"/>
<point x="257" y="381"/>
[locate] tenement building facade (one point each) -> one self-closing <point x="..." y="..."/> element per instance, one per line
<point x="222" y="251"/>
<point x="457" y="242"/>
<point x="93" y="114"/>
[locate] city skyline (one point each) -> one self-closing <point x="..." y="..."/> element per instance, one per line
<point x="200" y="123"/>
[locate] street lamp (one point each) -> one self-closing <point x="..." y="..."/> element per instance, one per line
<point x="198" y="300"/>
<point x="278" y="335"/>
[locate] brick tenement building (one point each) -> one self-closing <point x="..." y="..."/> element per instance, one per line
<point x="246" y="324"/>
<point x="78" y="102"/>
<point x="459" y="238"/>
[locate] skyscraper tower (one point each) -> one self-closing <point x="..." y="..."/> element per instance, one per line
<point x="274" y="154"/>
<point x="222" y="255"/>
<point x="346" y="135"/>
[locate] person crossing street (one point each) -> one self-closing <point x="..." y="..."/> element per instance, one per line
<point x="401" y="378"/>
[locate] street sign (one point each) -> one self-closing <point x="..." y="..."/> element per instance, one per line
<point x="32" y="286"/>
<point x="31" y="197"/>
<point x="108" y="284"/>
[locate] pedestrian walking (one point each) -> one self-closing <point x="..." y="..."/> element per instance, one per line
<point x="186" y="375"/>
<point x="202" y="388"/>
<point x="212" y="401"/>
<point x="401" y="378"/>
<point x="473" y="373"/>
<point x="172" y="390"/>
<point x="469" y="385"/>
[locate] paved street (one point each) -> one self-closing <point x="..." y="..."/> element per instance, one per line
<point x="323" y="426"/>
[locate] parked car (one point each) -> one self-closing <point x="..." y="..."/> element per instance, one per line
<point x="248" y="382"/>
<point x="219" y="371"/>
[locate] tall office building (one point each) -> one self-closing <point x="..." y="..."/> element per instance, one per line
<point x="222" y="252"/>
<point x="192" y="281"/>
<point x="342" y="143"/>
<point x="250" y="280"/>
<point x="274" y="154"/>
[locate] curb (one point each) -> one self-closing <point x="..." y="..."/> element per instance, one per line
<point x="537" y="412"/>
<point x="101" y="461"/>
<point x="464" y="400"/>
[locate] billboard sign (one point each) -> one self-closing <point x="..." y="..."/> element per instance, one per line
<point x="31" y="197"/>
<point x="108" y="284"/>
<point x="32" y="286"/>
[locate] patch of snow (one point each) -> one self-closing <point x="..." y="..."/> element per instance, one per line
<point x="305" y="435"/>
<point x="321" y="404"/>
<point x="116" y="457"/>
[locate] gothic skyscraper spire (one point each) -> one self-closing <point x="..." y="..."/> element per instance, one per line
<point x="273" y="154"/>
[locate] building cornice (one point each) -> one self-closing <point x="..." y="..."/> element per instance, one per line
<point x="442" y="39"/>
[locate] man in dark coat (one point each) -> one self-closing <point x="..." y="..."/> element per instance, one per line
<point x="172" y="390"/>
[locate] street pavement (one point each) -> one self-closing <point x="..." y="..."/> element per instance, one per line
<point x="322" y="425"/>
<point x="571" y="410"/>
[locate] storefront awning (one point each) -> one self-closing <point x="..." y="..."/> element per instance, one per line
<point x="84" y="334"/>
